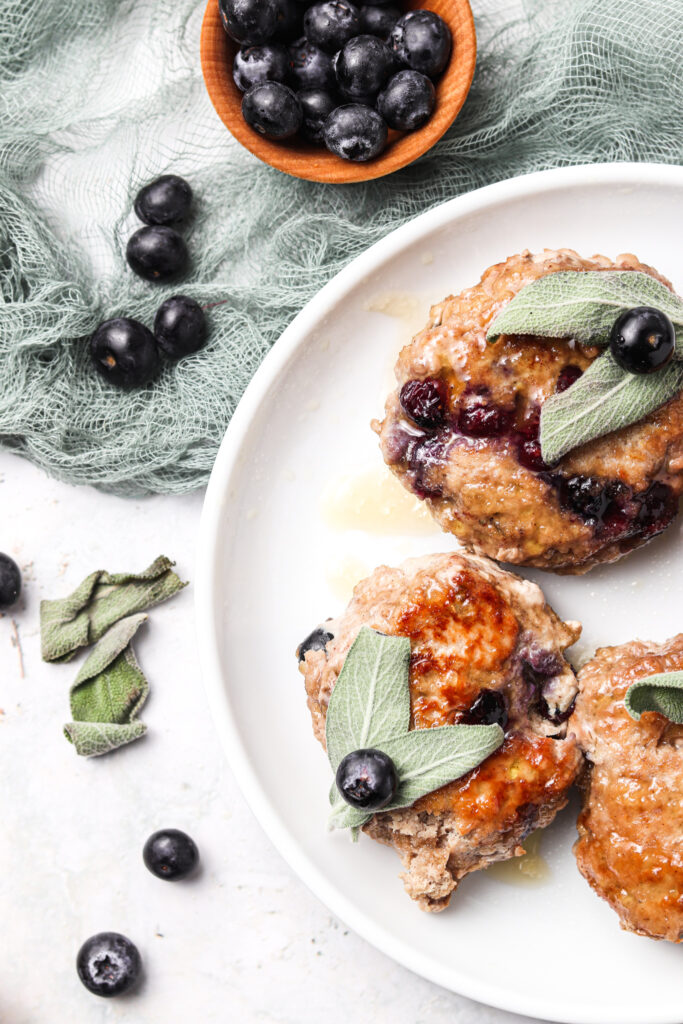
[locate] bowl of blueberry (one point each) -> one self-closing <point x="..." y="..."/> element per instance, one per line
<point x="333" y="91"/>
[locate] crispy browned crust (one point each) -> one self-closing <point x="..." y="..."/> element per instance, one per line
<point x="480" y="492"/>
<point x="630" y="845"/>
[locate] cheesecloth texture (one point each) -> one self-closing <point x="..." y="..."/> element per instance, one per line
<point x="98" y="98"/>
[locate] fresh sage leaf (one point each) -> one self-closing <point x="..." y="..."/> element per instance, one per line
<point x="584" y="305"/>
<point x="662" y="693"/>
<point x="603" y="399"/>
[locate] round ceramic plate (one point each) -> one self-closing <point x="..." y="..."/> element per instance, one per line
<point x="298" y="509"/>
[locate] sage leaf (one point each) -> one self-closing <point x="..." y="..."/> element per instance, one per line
<point x="425" y="760"/>
<point x="584" y="305"/>
<point x="605" y="398"/>
<point x="662" y="693"/>
<point x="371" y="698"/>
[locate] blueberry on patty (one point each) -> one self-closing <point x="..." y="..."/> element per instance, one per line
<point x="643" y="340"/>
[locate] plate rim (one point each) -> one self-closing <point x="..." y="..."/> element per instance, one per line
<point x="208" y="613"/>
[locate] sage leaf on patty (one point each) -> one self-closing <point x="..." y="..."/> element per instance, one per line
<point x="605" y="398"/>
<point x="662" y="693"/>
<point x="370" y="707"/>
<point x="584" y="305"/>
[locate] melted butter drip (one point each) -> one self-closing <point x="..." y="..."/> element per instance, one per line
<point x="374" y="501"/>
<point x="343" y="575"/>
<point x="529" y="870"/>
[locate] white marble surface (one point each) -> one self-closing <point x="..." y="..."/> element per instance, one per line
<point x="245" y="940"/>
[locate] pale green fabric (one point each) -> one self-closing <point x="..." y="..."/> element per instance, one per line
<point x="98" y="97"/>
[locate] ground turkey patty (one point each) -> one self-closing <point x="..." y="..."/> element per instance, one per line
<point x="461" y="432"/>
<point x="630" y="846"/>
<point x="480" y="638"/>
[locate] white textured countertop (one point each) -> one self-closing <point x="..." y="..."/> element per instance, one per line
<point x="243" y="941"/>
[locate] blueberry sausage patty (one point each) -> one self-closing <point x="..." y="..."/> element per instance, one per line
<point x="461" y="432"/>
<point x="485" y="649"/>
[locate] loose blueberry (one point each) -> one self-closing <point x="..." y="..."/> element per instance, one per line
<point x="490" y="708"/>
<point x="108" y="964"/>
<point x="10" y="581"/>
<point x="367" y="779"/>
<point x="331" y="24"/>
<point x="256" y="64"/>
<point x="315" y="641"/>
<point x="157" y="253"/>
<point x="355" y="132"/>
<point x="407" y="100"/>
<point x="125" y="353"/>
<point x="316" y="105"/>
<point x="164" y="201"/>
<point x="179" y="326"/>
<point x="568" y="376"/>
<point x="170" y="854"/>
<point x="272" y="110"/>
<point x="643" y="340"/>
<point x="422" y="40"/>
<point x="425" y="401"/>
<point x="310" y="67"/>
<point x="250" y="22"/>
<point x="362" y="67"/>
<point x="378" y="21"/>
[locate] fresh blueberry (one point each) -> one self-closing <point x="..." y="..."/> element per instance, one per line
<point x="367" y="779"/>
<point x="157" y="253"/>
<point x="331" y="24"/>
<point x="250" y="22"/>
<point x="355" y="132"/>
<point x="407" y="100"/>
<point x="108" y="964"/>
<point x="179" y="326"/>
<point x="317" y="105"/>
<point x="378" y="20"/>
<point x="643" y="340"/>
<point x="315" y="641"/>
<point x="164" y="201"/>
<point x="289" y="21"/>
<point x="10" y="581"/>
<point x="422" y="40"/>
<point x="310" y="67"/>
<point x="125" y="353"/>
<point x="256" y="64"/>
<point x="425" y="401"/>
<point x="489" y="708"/>
<point x="272" y="110"/>
<point x="170" y="854"/>
<point x="362" y="67"/>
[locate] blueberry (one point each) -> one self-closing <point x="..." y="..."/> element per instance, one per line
<point x="479" y="417"/>
<point x="422" y="40"/>
<point x="331" y="24"/>
<point x="367" y="779"/>
<point x="362" y="67"/>
<point x="108" y="964"/>
<point x="530" y="456"/>
<point x="658" y="508"/>
<point x="316" y="105"/>
<point x="272" y="110"/>
<point x="586" y="495"/>
<point x="355" y="132"/>
<point x="568" y="375"/>
<point x="170" y="854"/>
<point x="425" y="401"/>
<point x="315" y="641"/>
<point x="256" y="64"/>
<point x="157" y="253"/>
<point x="289" y="21"/>
<point x="489" y="708"/>
<point x="10" y="581"/>
<point x="310" y="67"/>
<point x="125" y="352"/>
<point x="407" y="100"/>
<point x="179" y="326"/>
<point x="249" y="22"/>
<point x="378" y="21"/>
<point x="643" y="340"/>
<point x="164" y="201"/>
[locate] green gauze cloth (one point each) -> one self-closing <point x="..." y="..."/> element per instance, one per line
<point x="108" y="693"/>
<point x="101" y="600"/>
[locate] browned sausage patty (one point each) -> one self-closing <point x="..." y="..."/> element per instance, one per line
<point x="630" y="846"/>
<point x="461" y="432"/>
<point x="480" y="638"/>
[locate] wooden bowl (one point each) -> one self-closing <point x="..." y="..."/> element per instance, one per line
<point x="303" y="159"/>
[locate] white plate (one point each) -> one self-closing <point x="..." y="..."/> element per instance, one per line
<point x="266" y="553"/>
